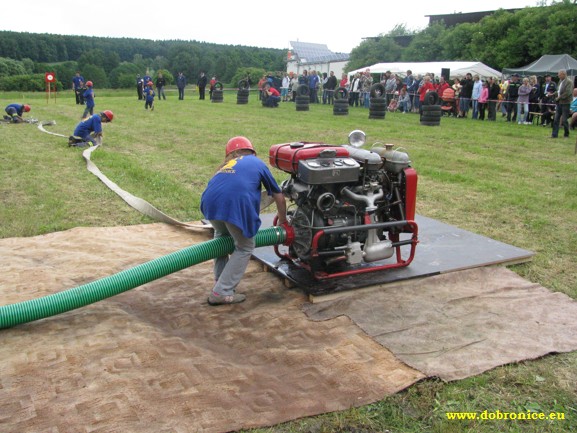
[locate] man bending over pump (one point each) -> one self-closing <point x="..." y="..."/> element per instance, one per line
<point x="89" y="131"/>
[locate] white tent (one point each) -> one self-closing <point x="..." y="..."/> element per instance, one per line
<point x="456" y="69"/>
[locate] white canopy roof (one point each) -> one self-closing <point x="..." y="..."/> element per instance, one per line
<point x="457" y="69"/>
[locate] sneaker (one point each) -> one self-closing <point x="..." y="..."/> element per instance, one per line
<point x="216" y="299"/>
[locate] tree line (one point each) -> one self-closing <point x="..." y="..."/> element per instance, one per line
<point x="501" y="40"/>
<point x="114" y="62"/>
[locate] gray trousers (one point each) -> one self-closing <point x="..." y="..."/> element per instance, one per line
<point x="229" y="270"/>
<point x="562" y="114"/>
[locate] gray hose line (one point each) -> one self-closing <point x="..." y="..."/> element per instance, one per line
<point x="137" y="203"/>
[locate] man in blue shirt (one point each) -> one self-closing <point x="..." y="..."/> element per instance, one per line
<point x="77" y="85"/>
<point x="231" y="202"/>
<point x="313" y="87"/>
<point x="89" y="131"/>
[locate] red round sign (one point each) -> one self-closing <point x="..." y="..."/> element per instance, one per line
<point x="50" y="77"/>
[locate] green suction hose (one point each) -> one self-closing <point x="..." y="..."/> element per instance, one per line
<point x="34" y="309"/>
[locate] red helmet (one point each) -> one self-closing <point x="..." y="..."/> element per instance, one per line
<point x="237" y="143"/>
<point x="26" y="108"/>
<point x="89" y="83"/>
<point x="109" y="115"/>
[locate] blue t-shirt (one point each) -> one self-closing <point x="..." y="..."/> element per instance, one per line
<point x="89" y="97"/>
<point x="233" y="194"/>
<point x="78" y="80"/>
<point x="92" y="124"/>
<point x="18" y="107"/>
<point x="149" y="94"/>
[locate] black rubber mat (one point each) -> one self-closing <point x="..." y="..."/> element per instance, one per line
<point x="442" y="248"/>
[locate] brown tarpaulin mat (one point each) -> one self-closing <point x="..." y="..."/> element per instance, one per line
<point x="462" y="323"/>
<point x="158" y="359"/>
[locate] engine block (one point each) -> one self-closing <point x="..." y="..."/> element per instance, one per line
<point x="348" y="207"/>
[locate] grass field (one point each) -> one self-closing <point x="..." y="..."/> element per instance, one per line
<point x="506" y="181"/>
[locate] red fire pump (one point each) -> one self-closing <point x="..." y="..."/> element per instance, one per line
<point x="349" y="207"/>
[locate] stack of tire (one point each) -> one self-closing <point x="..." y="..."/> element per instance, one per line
<point x="341" y="102"/>
<point x="243" y="91"/>
<point x="431" y="110"/>
<point x="377" y="102"/>
<point x="302" y="98"/>
<point x="217" y="92"/>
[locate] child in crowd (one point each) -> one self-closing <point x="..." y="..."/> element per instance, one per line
<point x="149" y="96"/>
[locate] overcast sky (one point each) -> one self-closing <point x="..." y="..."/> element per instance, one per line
<point x="249" y="23"/>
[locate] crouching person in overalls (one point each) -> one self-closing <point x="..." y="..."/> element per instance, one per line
<point x="15" y="111"/>
<point x="89" y="131"/>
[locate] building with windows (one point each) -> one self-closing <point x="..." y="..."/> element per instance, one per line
<point x="451" y="20"/>
<point x="317" y="57"/>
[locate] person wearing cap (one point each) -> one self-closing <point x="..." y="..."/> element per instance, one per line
<point x="15" y="111"/>
<point x="231" y="202"/>
<point x="89" y="130"/>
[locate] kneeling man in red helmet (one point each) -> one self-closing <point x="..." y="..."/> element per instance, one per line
<point x="89" y="130"/>
<point x="15" y="111"/>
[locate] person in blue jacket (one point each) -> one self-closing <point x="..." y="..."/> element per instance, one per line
<point x="231" y="202"/>
<point x="149" y="96"/>
<point x="88" y="100"/>
<point x="77" y="85"/>
<point x="89" y="130"/>
<point x="181" y="84"/>
<point x="15" y="111"/>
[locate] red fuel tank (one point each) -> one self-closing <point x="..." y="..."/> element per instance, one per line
<point x="286" y="156"/>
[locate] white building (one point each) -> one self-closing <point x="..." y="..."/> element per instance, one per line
<point x="317" y="57"/>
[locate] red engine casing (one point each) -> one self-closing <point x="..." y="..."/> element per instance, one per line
<point x="410" y="193"/>
<point x="286" y="156"/>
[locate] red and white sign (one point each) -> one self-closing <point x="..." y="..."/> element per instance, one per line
<point x="50" y="77"/>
